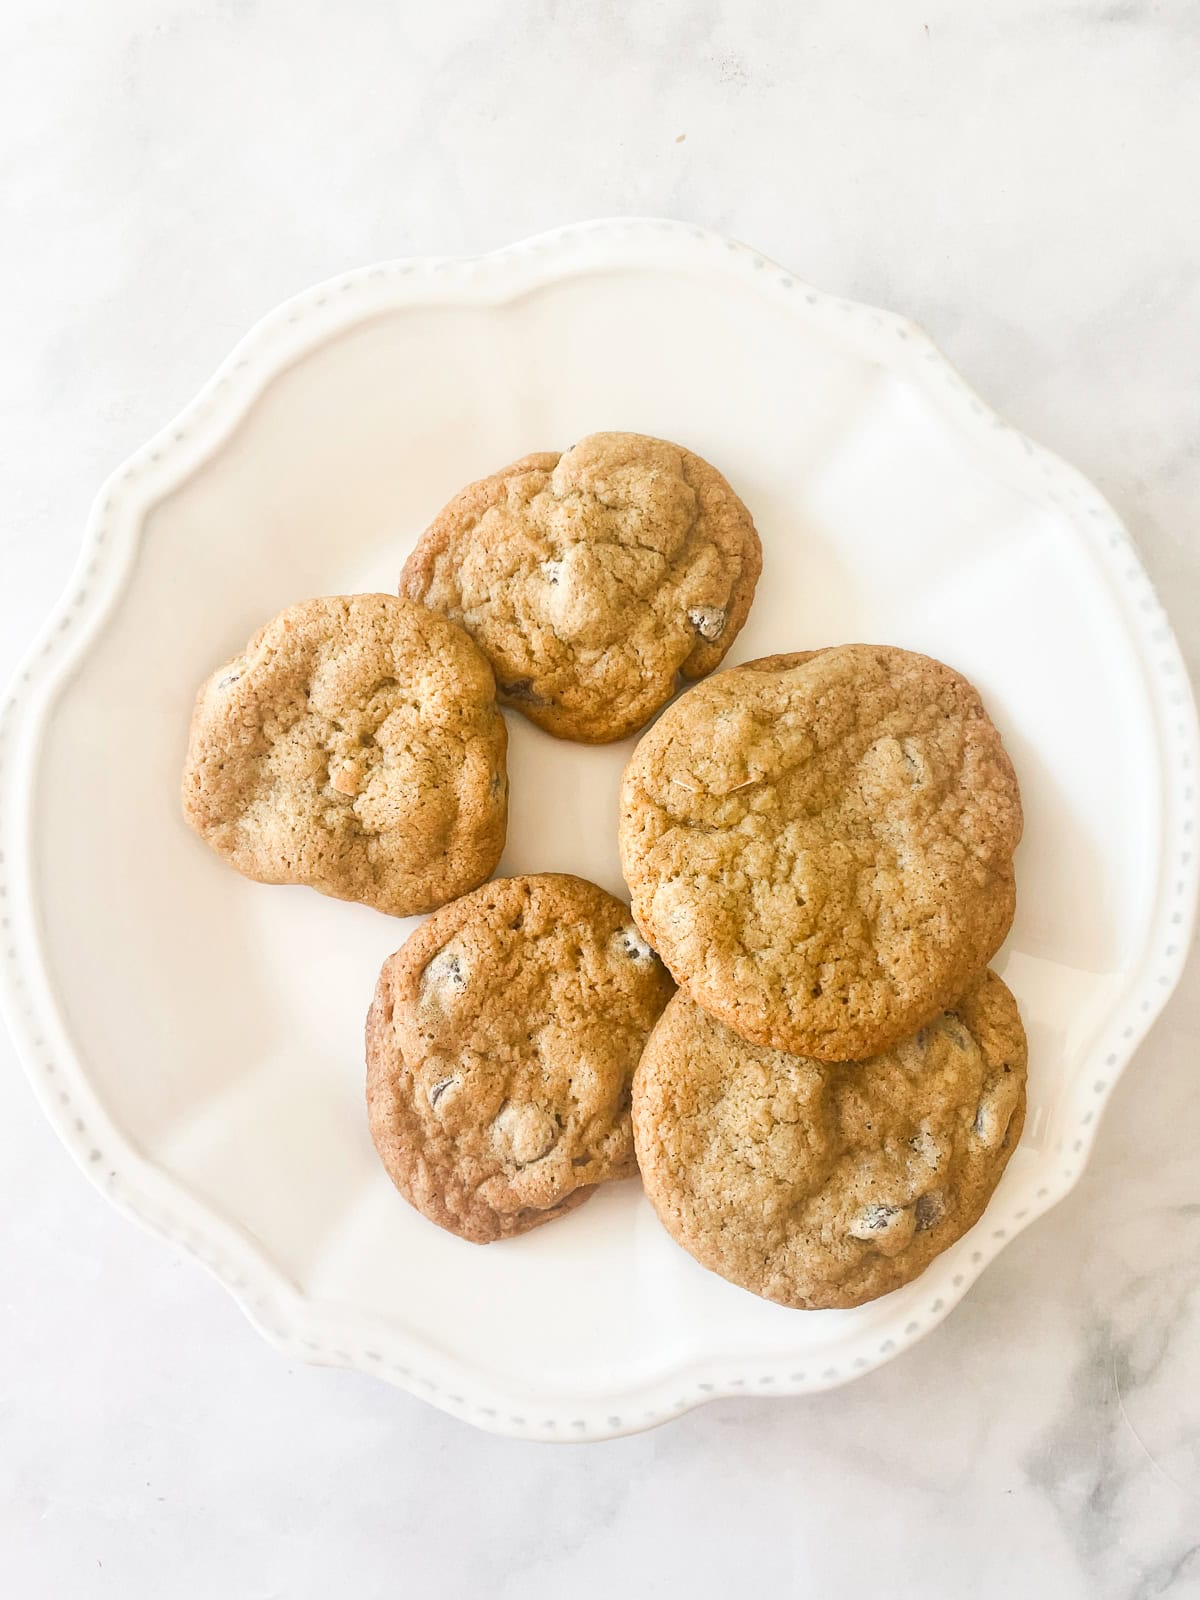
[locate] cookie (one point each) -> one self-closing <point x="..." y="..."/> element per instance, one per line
<point x="822" y="1184"/>
<point x="501" y="1046"/>
<point x="820" y="845"/>
<point x="356" y="746"/>
<point x="593" y="579"/>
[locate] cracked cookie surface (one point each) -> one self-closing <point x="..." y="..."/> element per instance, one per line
<point x="356" y="746"/>
<point x="501" y="1045"/>
<point x="593" y="579"/>
<point x="820" y="845"/>
<point x="823" y="1185"/>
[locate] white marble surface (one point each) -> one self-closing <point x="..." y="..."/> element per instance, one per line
<point x="1020" y="178"/>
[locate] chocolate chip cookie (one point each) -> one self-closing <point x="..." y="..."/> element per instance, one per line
<point x="355" y="745"/>
<point x="591" y="580"/>
<point x="501" y="1045"/>
<point x="820" y="845"/>
<point x="825" y="1185"/>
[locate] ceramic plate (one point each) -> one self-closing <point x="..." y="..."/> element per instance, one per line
<point x="196" y="1039"/>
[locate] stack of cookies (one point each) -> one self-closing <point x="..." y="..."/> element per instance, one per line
<point x="818" y="847"/>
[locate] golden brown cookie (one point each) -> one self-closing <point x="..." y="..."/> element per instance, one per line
<point x="591" y="580"/>
<point x="501" y="1044"/>
<point x="820" y="845"/>
<point x="355" y="745"/>
<point x="825" y="1185"/>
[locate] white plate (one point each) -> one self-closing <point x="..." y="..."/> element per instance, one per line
<point x="196" y="1039"/>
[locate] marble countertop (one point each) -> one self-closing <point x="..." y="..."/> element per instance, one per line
<point x="1021" y="179"/>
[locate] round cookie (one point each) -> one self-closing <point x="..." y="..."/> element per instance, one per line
<point x="824" y="1185"/>
<point x="820" y="845"/>
<point x="356" y="746"/>
<point x="591" y="580"/>
<point x="501" y="1046"/>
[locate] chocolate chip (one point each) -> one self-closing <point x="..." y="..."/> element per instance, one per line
<point x="522" y="691"/>
<point x="708" y="621"/>
<point x="954" y="1030"/>
<point x="553" y="571"/>
<point x="525" y="1132"/>
<point x="447" y="971"/>
<point x="987" y="1125"/>
<point x="631" y="944"/>
<point x="873" y="1220"/>
<point x="928" y="1210"/>
<point x="438" y="1089"/>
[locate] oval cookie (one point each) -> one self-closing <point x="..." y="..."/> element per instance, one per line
<point x="501" y="1046"/>
<point x="593" y="579"/>
<point x="356" y="746"/>
<point x="820" y="845"/>
<point x="824" y="1185"/>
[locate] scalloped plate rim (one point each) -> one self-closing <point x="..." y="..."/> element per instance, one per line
<point x="300" y="1326"/>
